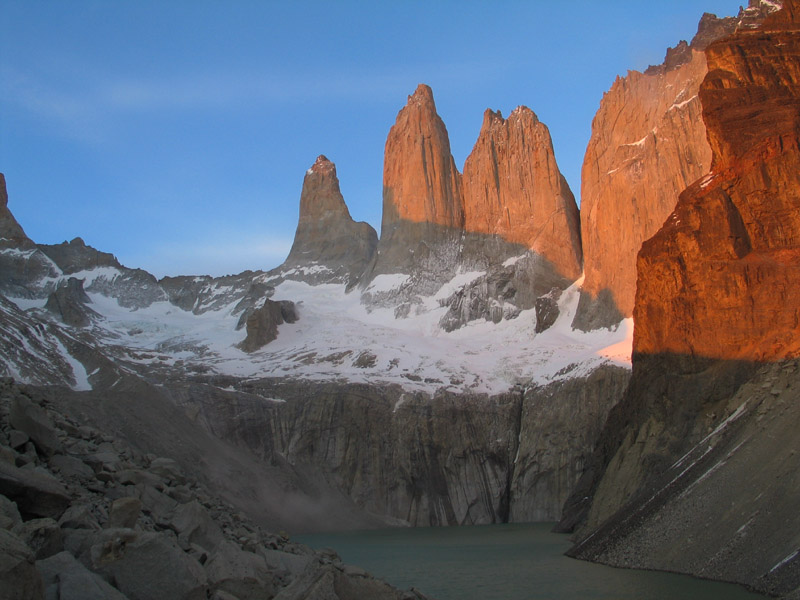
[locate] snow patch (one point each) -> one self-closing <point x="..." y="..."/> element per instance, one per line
<point x="388" y="282"/>
<point x="82" y="383"/>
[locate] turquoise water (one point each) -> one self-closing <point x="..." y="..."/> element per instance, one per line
<point x="505" y="562"/>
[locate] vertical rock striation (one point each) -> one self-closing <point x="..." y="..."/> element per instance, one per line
<point x="513" y="189"/>
<point x="328" y="243"/>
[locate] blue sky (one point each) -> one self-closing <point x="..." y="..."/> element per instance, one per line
<point x="176" y="134"/>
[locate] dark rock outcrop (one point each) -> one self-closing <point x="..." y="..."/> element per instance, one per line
<point x="262" y="323"/>
<point x="68" y="302"/>
<point x="328" y="245"/>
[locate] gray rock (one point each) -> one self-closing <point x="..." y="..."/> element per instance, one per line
<point x="148" y="566"/>
<point x="124" y="513"/>
<point x="158" y="505"/>
<point x="68" y="302"/>
<point x="34" y="421"/>
<point x="195" y="526"/>
<point x="36" y="494"/>
<point x="9" y="513"/>
<point x="262" y="323"/>
<point x="243" y="574"/>
<point x="43" y="536"/>
<point x="167" y="469"/>
<point x="18" y="574"/>
<point x="78" y="516"/>
<point x="71" y="467"/>
<point x="65" y="578"/>
<point x="17" y="438"/>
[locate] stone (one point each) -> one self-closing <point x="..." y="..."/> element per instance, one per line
<point x="18" y="574"/>
<point x="78" y="516"/>
<point x="32" y="419"/>
<point x="65" y="578"/>
<point x="157" y="504"/>
<point x="71" y="467"/>
<point x="648" y="144"/>
<point x="328" y="245"/>
<point x="512" y="188"/>
<point x="195" y="526"/>
<point x="243" y="574"/>
<point x="124" y="513"/>
<point x="721" y="278"/>
<point x="262" y="324"/>
<point x="148" y="566"/>
<point x="17" y="439"/>
<point x="422" y="203"/>
<point x="68" y="302"/>
<point x="9" y="513"/>
<point x="37" y="494"/>
<point x="43" y="536"/>
<point x="168" y="469"/>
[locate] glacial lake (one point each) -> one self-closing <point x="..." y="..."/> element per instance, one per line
<point x="505" y="562"/>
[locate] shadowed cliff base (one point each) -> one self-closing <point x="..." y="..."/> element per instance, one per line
<point x="415" y="260"/>
<point x="696" y="471"/>
<point x="597" y="311"/>
<point x="351" y="456"/>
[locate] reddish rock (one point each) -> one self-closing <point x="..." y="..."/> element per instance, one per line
<point x="512" y="188"/>
<point x="648" y="144"/>
<point x="326" y="235"/>
<point x="420" y="181"/>
<point x="721" y="279"/>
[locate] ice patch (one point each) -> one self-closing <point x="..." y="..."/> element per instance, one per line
<point x="78" y="370"/>
<point x="513" y="260"/>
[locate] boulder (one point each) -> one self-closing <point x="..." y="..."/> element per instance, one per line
<point x="66" y="578"/>
<point x="36" y="493"/>
<point x="43" y="536"/>
<point x="18" y="574"/>
<point x="195" y="526"/>
<point x="148" y="565"/>
<point x="237" y="572"/>
<point x="124" y="513"/>
<point x="32" y="419"/>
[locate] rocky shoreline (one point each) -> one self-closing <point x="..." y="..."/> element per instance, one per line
<point x="84" y="516"/>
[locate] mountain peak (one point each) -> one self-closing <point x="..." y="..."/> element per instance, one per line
<point x="10" y="231"/>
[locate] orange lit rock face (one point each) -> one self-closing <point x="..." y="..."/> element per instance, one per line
<point x="721" y="279"/>
<point x="512" y="188"/>
<point x="420" y="181"/>
<point x="648" y="144"/>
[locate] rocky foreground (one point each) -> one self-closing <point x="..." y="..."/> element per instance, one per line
<point x="83" y="516"/>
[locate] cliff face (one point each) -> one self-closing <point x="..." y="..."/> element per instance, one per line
<point x="648" y="144"/>
<point x="719" y="280"/>
<point x="10" y="231"/>
<point x="513" y="189"/>
<point x="328" y="243"/>
<point x="717" y="327"/>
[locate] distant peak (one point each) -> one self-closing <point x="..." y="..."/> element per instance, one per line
<point x="3" y="192"/>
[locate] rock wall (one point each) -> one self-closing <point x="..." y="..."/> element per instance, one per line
<point x="446" y="460"/>
<point x="690" y="472"/>
<point x="513" y="189"/>
<point x="648" y="144"/>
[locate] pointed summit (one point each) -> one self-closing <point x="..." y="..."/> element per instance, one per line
<point x="328" y="244"/>
<point x="11" y="233"/>
<point x="512" y="188"/>
<point x="420" y="181"/>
